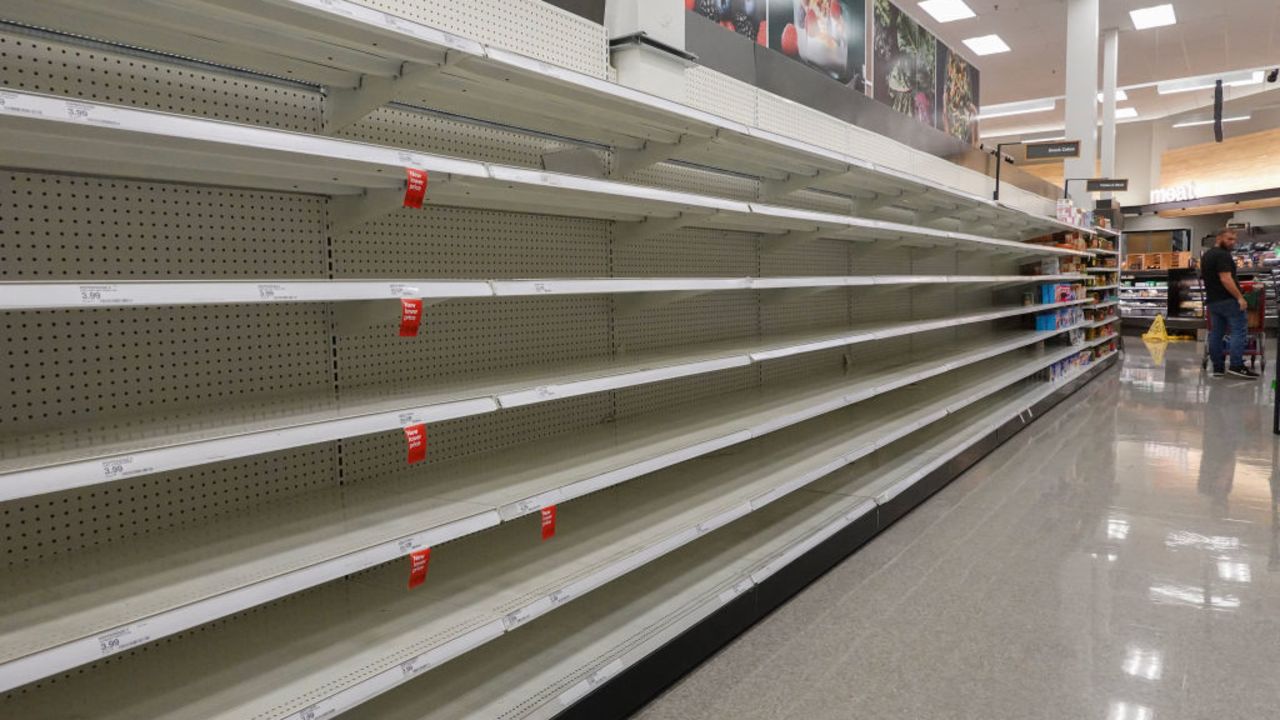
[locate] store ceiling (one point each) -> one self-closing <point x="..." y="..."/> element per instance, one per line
<point x="1210" y="36"/>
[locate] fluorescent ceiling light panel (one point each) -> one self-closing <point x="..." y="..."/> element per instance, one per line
<point x="1121" y="96"/>
<point x="1207" y="82"/>
<point x="945" y="11"/>
<point x="987" y="45"/>
<point x="1125" y="113"/>
<point x="1194" y="123"/>
<point x="1154" y="16"/>
<point x="1016" y="108"/>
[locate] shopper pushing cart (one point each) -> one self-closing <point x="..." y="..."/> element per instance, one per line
<point x="1225" y="307"/>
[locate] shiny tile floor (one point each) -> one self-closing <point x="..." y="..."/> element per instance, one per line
<point x="1118" y="560"/>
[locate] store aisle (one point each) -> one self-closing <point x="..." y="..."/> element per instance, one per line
<point x="1118" y="560"/>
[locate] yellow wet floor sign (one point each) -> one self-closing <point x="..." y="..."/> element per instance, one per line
<point x="1156" y="333"/>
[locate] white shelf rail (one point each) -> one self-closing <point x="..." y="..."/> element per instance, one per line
<point x="124" y="293"/>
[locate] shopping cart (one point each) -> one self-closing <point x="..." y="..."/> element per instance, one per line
<point x="1255" y="295"/>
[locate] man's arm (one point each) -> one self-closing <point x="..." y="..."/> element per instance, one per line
<point x="1229" y="283"/>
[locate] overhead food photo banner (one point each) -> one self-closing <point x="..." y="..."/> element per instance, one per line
<point x="905" y="63"/>
<point x="910" y="70"/>
<point x="827" y="35"/>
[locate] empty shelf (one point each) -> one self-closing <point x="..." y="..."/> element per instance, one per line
<point x="337" y="646"/>
<point x="36" y="465"/>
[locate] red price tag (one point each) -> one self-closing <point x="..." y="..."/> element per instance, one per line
<point x="418" y="562"/>
<point x="548" y="522"/>
<point x="416" y="437"/>
<point x="415" y="188"/>
<point x="410" y="317"/>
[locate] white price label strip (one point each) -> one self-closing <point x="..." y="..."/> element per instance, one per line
<point x="584" y="688"/>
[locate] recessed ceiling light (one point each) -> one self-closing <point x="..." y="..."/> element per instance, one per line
<point x="1193" y="123"/>
<point x="987" y="45"/>
<point x="945" y="11"/>
<point x="1016" y="108"/>
<point x="1154" y="16"/>
<point x="1121" y="96"/>
<point x="1205" y="82"/>
<point x="1123" y="113"/>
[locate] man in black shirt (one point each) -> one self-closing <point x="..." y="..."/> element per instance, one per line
<point x="1225" y="305"/>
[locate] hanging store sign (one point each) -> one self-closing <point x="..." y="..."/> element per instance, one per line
<point x="1053" y="150"/>
<point x="1107" y="185"/>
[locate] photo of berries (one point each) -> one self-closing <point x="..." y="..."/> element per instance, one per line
<point x="745" y="17"/>
<point x="827" y="35"/>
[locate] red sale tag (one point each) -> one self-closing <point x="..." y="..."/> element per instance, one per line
<point x="410" y="317"/>
<point x="418" y="562"/>
<point x="548" y="522"/>
<point x="416" y="437"/>
<point x="415" y="188"/>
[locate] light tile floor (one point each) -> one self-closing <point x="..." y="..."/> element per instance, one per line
<point x="1118" y="560"/>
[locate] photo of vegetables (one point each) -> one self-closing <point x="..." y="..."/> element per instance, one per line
<point x="905" y="64"/>
<point x="959" y="110"/>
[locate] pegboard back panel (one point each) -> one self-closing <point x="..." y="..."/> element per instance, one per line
<point x="379" y="458"/>
<point x="39" y="63"/>
<point x="466" y="340"/>
<point x="689" y="322"/>
<point x="790" y="118"/>
<point x="443" y="242"/>
<point x="789" y="311"/>
<point x="719" y="94"/>
<point x="63" y="227"/>
<point x="406" y="128"/>
<point x="46" y="527"/>
<point x="934" y="261"/>
<point x="672" y="394"/>
<point x="696" y="180"/>
<point x="688" y="252"/>
<point x="529" y="27"/>
<point x="805" y="367"/>
<point x="821" y="257"/>
<point x="887" y="257"/>
<point x="68" y="369"/>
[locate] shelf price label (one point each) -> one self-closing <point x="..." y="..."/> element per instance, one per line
<point x="415" y="188"/>
<point x="548" y="522"/>
<point x="415" y="437"/>
<point x="410" y="316"/>
<point x="419" y="561"/>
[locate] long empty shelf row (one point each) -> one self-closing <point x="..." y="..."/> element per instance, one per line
<point x="123" y="293"/>
<point x="55" y="134"/>
<point x="555" y="661"/>
<point x="36" y="464"/>
<point x="285" y="548"/>
<point x="366" y="58"/>
<point x="332" y="648"/>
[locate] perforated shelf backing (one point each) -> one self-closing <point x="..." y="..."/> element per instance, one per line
<point x="470" y="339"/>
<point x="459" y="243"/>
<point x="55" y="227"/>
<point x="40" y="529"/>
<point x="40" y="63"/>
<point x="65" y="369"/>
<point x="529" y="27"/>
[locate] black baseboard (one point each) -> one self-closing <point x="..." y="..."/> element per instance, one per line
<point x="631" y="689"/>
